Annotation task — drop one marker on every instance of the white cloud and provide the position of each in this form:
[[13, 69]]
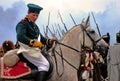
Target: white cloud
[[75, 5], [66, 5], [5, 4]]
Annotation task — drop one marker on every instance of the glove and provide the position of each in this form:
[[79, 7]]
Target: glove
[[36, 43], [53, 40]]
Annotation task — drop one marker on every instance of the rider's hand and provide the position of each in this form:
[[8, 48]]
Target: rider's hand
[[36, 43], [53, 40]]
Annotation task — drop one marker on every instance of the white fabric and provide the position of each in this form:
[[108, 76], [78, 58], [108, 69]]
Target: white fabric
[[41, 63], [10, 58], [39, 37], [34, 56], [85, 75], [32, 51]]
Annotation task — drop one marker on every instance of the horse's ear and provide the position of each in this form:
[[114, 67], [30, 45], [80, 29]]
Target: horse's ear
[[83, 20], [87, 21]]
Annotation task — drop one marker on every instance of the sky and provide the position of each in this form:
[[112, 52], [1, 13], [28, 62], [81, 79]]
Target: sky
[[106, 13]]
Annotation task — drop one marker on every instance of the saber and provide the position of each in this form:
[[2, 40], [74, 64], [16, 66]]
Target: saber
[[96, 24]]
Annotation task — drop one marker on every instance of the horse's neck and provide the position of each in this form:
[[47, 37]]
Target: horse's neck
[[71, 39]]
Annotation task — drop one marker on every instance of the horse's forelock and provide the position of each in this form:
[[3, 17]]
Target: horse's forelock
[[85, 40], [89, 29]]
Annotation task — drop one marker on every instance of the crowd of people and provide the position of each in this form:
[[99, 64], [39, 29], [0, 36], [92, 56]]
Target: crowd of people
[[30, 40]]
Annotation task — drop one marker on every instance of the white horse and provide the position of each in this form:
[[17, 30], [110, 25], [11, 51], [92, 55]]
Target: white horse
[[68, 52], [77, 37]]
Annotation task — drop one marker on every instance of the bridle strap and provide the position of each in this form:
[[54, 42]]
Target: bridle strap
[[61, 55], [69, 47], [67, 61], [94, 42], [87, 33]]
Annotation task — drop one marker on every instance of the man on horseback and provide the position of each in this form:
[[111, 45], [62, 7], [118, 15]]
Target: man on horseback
[[31, 41], [113, 60]]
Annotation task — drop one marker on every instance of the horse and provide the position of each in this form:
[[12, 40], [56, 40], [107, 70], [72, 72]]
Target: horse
[[66, 54]]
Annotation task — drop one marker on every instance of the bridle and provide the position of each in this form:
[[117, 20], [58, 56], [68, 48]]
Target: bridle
[[91, 52], [93, 41]]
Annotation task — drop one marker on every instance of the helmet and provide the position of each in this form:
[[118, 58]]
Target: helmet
[[106, 38], [118, 37]]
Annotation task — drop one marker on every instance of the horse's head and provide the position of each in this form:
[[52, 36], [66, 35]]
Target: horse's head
[[97, 50], [88, 36]]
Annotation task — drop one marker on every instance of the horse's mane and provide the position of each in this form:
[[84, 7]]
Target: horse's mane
[[70, 30]]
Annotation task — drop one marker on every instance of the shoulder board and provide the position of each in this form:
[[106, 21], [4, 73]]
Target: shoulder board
[[23, 20]]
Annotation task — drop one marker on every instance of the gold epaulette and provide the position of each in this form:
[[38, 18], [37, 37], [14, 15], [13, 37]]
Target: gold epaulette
[[23, 20]]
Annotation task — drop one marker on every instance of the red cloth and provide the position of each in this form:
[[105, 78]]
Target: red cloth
[[21, 69]]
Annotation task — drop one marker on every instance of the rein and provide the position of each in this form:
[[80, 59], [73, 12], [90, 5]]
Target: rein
[[61, 55], [68, 47]]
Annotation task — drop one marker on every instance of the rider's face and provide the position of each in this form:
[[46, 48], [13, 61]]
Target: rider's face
[[33, 16]]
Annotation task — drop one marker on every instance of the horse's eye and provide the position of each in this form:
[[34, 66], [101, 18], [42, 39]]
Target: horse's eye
[[92, 31]]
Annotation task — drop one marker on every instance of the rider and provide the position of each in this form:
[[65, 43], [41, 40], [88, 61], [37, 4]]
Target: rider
[[30, 39], [113, 60]]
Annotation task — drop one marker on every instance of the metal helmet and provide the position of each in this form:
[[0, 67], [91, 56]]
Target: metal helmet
[[118, 37], [106, 38]]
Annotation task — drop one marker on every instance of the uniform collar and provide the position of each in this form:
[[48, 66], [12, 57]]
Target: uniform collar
[[28, 18]]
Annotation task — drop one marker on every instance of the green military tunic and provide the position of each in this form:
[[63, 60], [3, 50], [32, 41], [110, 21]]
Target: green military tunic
[[27, 30]]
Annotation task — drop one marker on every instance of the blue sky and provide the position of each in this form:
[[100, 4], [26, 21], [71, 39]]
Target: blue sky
[[106, 12]]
